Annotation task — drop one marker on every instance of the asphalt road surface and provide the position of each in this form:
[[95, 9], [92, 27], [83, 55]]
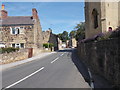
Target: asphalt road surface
[[58, 70]]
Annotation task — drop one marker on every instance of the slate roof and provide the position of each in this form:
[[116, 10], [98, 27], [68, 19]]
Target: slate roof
[[17, 20]]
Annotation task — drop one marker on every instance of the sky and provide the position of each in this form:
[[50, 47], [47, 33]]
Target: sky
[[59, 16]]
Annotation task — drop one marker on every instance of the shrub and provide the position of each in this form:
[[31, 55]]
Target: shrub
[[8, 50], [48, 45], [105, 36], [115, 33], [109, 35]]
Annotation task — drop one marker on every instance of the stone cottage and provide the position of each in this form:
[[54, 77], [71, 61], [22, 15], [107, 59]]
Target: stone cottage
[[20, 31], [100, 16], [72, 42], [49, 37]]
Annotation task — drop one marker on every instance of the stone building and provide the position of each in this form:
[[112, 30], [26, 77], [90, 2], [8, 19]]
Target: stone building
[[49, 37], [20, 31], [101, 16], [60, 44], [72, 42]]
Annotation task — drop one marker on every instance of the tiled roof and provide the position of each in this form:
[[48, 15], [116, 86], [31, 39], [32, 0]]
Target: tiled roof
[[17, 20]]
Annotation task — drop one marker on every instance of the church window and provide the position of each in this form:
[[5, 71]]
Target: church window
[[95, 18]]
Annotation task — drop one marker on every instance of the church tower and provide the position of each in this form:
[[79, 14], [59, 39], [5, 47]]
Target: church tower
[[100, 16]]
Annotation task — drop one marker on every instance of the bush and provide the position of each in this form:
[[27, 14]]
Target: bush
[[116, 33], [48, 45], [109, 35], [106, 36], [8, 50]]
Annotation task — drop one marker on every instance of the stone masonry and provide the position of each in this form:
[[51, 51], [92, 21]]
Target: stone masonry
[[49, 37], [100, 16], [6, 58], [103, 58], [21, 31]]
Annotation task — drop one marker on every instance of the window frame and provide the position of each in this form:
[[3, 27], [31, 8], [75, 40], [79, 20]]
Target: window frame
[[18, 45], [16, 31]]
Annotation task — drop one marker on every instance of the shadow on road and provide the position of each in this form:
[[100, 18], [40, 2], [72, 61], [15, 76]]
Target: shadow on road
[[80, 66], [99, 82], [66, 50]]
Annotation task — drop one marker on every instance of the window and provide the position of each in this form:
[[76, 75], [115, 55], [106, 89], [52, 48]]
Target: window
[[13, 45], [15, 30], [110, 29], [95, 18], [17, 45], [2, 45], [21, 27], [21, 45]]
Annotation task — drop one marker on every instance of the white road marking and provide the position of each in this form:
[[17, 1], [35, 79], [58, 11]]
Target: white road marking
[[62, 54], [24, 78], [91, 81], [55, 60]]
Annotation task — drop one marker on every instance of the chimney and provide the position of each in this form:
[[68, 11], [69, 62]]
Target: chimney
[[3, 7], [4, 13], [34, 13]]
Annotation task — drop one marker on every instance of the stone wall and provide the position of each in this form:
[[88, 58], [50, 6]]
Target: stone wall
[[119, 13], [105, 18], [72, 42], [38, 38], [103, 58], [22, 33], [25, 36], [48, 36], [89, 21], [13, 56]]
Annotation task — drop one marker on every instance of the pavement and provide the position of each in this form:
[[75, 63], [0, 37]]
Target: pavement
[[13, 64]]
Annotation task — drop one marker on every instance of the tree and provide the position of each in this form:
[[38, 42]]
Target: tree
[[72, 34], [80, 31], [60, 36], [63, 36]]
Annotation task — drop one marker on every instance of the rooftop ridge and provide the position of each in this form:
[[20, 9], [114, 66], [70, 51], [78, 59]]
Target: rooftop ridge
[[19, 16]]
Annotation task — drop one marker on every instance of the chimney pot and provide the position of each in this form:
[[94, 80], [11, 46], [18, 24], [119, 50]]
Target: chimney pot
[[4, 13], [3, 6], [34, 13]]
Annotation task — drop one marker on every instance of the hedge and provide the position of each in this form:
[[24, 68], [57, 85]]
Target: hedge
[[8, 50], [48, 45]]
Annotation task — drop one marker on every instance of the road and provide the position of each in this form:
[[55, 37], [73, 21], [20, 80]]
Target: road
[[58, 70]]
